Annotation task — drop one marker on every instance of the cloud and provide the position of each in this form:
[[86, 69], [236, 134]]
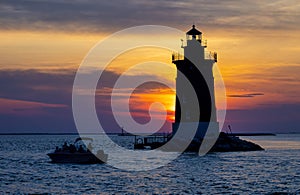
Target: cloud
[[10, 106], [47, 97], [279, 83], [34, 85], [246, 95], [107, 16]]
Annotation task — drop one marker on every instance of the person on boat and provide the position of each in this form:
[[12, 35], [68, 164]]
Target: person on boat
[[72, 148], [57, 149], [80, 149], [65, 147]]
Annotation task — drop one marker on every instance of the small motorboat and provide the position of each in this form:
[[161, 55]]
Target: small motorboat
[[78, 153]]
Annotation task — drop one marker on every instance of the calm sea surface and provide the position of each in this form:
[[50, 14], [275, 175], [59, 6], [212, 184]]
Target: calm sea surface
[[25, 168]]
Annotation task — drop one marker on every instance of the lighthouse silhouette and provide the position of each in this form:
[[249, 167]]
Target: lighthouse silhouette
[[195, 68]]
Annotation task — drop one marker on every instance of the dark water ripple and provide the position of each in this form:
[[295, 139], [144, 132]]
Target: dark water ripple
[[25, 168]]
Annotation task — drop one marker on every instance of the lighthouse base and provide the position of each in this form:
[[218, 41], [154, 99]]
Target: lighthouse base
[[198, 129]]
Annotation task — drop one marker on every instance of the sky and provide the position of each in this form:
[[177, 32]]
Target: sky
[[43, 43]]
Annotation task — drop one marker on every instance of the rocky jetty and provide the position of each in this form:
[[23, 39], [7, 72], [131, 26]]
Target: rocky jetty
[[226, 143]]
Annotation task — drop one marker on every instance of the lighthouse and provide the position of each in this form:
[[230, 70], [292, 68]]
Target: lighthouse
[[195, 67]]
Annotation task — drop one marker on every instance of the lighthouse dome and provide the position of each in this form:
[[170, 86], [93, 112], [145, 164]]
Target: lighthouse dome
[[194, 31]]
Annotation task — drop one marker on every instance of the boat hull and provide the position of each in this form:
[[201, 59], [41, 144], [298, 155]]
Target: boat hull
[[79, 158]]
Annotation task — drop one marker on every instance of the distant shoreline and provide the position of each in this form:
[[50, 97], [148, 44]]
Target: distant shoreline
[[252, 134], [50, 133], [120, 134], [160, 134]]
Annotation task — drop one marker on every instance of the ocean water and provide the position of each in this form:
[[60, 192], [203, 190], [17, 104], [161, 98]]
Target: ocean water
[[25, 168]]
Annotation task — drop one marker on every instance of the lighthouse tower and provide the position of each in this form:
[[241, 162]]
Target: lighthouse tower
[[195, 67]]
